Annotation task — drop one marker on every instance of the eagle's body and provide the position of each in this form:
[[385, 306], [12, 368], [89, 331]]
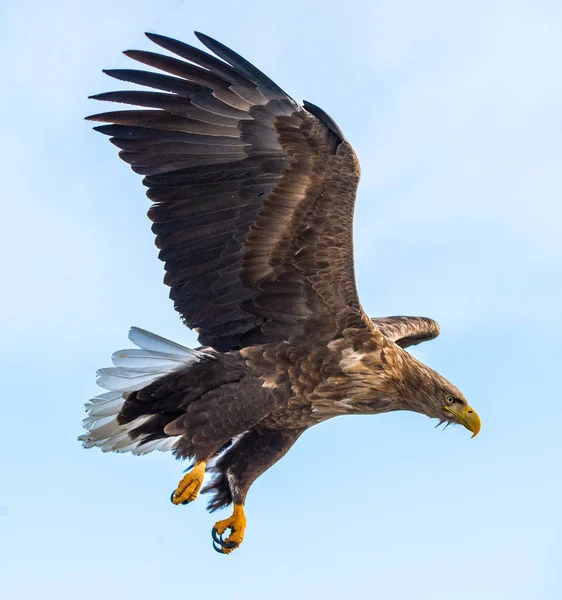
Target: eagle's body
[[253, 215]]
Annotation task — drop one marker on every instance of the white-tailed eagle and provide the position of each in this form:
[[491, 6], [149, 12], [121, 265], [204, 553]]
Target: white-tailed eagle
[[253, 198]]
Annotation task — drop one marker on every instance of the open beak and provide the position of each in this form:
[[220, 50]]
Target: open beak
[[466, 416]]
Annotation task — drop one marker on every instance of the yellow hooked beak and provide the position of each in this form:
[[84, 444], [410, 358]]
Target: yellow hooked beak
[[466, 416]]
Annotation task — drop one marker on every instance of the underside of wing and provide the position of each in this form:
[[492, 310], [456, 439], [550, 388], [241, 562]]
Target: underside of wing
[[407, 331], [253, 194]]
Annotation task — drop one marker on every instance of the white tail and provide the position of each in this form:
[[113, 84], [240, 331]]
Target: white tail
[[133, 370]]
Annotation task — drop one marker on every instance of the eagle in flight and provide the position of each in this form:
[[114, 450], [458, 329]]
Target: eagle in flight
[[253, 196]]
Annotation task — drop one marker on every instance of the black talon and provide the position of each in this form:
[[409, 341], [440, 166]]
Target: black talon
[[218, 539], [226, 544], [218, 548], [173, 496]]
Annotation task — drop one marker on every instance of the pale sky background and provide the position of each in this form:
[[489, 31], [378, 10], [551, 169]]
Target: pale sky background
[[454, 109]]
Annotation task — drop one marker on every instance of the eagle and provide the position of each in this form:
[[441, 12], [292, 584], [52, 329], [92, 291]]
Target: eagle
[[253, 197]]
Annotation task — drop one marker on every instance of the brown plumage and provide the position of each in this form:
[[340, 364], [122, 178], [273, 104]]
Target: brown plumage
[[253, 212]]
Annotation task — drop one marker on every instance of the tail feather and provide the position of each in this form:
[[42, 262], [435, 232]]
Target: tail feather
[[145, 359], [119, 380], [104, 405], [133, 370], [155, 343]]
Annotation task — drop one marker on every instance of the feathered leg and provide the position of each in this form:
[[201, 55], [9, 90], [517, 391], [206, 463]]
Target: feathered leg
[[236, 470]]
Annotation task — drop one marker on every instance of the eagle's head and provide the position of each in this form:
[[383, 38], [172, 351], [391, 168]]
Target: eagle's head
[[425, 391], [455, 409]]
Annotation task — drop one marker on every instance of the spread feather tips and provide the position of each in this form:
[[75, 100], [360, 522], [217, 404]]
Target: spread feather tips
[[133, 370]]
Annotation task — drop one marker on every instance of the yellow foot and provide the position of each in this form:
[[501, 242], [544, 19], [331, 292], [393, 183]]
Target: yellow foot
[[237, 525], [189, 486]]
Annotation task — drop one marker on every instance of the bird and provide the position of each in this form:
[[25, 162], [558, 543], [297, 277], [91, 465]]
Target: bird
[[253, 197]]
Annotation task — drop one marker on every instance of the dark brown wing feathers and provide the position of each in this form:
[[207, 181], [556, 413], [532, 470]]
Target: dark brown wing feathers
[[253, 195]]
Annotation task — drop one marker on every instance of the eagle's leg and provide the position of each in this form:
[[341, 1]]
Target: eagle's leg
[[188, 488], [256, 451]]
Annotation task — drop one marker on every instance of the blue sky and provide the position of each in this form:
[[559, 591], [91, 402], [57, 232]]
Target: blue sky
[[454, 111]]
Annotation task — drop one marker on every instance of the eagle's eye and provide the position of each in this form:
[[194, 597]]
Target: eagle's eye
[[450, 399]]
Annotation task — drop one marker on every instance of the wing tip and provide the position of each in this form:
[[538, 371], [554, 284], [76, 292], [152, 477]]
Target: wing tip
[[153, 36], [203, 37], [162, 40], [325, 118], [105, 129]]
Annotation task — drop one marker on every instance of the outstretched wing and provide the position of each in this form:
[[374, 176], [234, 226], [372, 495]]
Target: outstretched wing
[[253, 195], [407, 331]]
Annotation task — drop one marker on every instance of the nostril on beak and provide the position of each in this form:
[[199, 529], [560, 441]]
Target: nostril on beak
[[469, 411]]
